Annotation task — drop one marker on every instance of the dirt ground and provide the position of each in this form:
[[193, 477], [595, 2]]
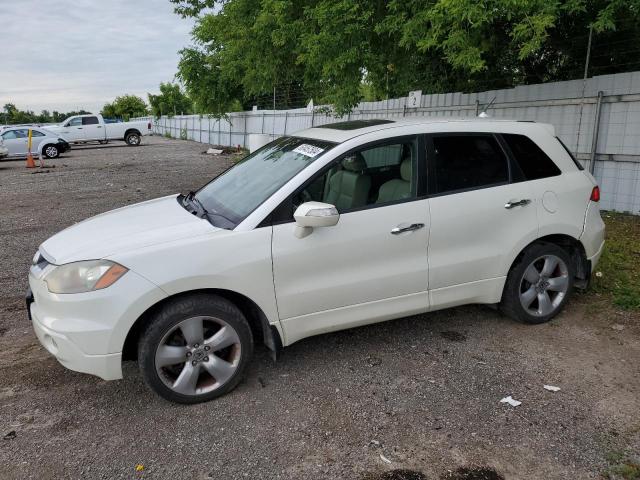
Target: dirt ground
[[421, 393]]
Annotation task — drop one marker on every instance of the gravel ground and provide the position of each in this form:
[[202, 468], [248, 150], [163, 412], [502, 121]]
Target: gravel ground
[[421, 392]]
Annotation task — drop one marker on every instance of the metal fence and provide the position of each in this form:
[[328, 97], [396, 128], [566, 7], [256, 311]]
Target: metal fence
[[598, 119]]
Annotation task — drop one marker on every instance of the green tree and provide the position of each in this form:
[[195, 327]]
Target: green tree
[[125, 106], [337, 50], [171, 101]]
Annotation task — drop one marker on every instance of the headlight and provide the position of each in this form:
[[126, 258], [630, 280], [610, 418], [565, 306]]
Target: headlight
[[84, 276]]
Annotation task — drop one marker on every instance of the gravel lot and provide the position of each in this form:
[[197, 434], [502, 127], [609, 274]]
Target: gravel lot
[[423, 392]]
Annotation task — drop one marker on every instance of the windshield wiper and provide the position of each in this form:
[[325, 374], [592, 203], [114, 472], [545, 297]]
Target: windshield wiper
[[193, 205]]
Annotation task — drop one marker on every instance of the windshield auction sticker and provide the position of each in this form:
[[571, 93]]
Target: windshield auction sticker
[[308, 150]]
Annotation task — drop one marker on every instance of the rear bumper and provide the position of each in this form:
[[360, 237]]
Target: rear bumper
[[592, 237], [107, 367], [594, 259]]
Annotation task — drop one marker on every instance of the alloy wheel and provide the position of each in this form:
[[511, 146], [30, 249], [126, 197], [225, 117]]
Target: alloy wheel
[[544, 285], [198, 355], [51, 152]]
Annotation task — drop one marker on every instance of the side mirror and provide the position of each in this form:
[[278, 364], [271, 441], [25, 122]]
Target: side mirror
[[310, 215]]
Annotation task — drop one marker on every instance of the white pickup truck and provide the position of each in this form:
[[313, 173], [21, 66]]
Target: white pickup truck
[[93, 128]]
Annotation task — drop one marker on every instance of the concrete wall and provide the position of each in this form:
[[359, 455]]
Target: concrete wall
[[570, 106]]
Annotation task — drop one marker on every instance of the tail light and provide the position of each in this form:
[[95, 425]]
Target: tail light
[[595, 194]]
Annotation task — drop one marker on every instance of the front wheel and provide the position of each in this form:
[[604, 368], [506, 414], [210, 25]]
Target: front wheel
[[195, 349], [51, 151], [539, 284], [133, 139]]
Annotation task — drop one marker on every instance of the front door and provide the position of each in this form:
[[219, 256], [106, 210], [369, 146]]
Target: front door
[[74, 130], [372, 265]]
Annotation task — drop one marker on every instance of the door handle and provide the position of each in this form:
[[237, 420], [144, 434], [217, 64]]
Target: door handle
[[99, 126], [517, 203], [410, 228], [79, 128]]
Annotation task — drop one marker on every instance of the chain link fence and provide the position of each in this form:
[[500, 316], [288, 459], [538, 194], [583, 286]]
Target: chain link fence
[[598, 119]]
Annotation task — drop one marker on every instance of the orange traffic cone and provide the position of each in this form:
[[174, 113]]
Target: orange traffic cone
[[30, 162]]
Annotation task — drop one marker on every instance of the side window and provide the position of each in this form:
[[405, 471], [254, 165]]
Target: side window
[[464, 162], [90, 121], [22, 133], [76, 122], [10, 135], [373, 176], [36, 133], [533, 162]]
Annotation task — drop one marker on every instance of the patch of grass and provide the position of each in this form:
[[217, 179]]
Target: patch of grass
[[628, 470], [619, 266]]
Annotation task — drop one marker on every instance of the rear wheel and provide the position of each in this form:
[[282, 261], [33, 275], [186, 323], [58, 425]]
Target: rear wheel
[[195, 349], [51, 151], [539, 284], [133, 139]]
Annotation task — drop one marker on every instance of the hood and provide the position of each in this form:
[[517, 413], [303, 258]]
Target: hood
[[143, 224]]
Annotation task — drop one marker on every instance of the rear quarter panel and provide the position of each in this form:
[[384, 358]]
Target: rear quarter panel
[[561, 200]]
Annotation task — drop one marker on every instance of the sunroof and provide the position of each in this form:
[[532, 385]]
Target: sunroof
[[354, 124]]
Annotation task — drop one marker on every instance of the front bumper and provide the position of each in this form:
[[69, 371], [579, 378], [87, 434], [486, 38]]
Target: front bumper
[[86, 331], [107, 367]]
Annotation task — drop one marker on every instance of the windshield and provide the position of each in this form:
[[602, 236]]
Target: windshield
[[231, 197]]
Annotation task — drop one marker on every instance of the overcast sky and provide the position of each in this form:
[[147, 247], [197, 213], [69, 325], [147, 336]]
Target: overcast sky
[[68, 54]]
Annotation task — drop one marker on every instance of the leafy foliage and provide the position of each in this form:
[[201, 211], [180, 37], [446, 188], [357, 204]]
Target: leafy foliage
[[125, 106], [337, 51], [171, 101], [12, 116]]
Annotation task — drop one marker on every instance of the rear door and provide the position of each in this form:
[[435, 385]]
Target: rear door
[[479, 217], [16, 141], [92, 128]]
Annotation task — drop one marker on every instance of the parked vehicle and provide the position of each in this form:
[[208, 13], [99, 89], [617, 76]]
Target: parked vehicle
[[43, 142], [93, 128], [337, 226]]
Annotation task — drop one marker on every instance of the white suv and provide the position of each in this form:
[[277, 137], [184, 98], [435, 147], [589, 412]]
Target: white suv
[[338, 226]]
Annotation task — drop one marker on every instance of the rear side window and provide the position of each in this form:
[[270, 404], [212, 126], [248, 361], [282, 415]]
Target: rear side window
[[90, 120], [465, 162], [533, 162]]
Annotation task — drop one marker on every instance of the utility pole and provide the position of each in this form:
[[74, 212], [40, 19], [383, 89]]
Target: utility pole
[[584, 87]]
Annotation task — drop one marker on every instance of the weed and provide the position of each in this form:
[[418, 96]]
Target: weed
[[617, 274]]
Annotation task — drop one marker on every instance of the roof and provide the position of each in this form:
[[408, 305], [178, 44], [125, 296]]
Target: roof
[[343, 131]]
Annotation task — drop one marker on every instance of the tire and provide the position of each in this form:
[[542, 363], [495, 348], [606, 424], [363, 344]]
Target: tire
[[133, 139], [172, 338], [534, 281], [51, 151]]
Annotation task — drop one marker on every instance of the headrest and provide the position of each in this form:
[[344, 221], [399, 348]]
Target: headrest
[[354, 163], [405, 170]]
